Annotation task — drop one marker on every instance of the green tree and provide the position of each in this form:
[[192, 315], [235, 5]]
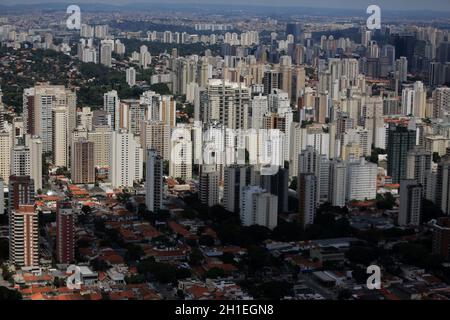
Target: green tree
[[8, 295], [214, 273]]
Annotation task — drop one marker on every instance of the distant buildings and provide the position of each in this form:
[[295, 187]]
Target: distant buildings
[[131, 76], [106, 53]]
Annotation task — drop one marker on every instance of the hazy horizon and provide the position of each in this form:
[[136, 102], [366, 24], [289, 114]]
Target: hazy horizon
[[430, 5]]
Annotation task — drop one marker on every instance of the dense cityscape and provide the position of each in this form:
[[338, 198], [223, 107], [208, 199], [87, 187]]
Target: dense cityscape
[[210, 153]]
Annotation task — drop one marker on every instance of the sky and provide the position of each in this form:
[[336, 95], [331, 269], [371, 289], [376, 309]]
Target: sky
[[434, 5]]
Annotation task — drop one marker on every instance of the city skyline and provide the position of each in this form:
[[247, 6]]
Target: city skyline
[[397, 5]]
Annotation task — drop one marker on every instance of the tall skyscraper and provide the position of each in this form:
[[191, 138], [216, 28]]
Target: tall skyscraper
[[410, 203], [441, 102], [156, 135], [400, 141], [38, 104], [226, 102], [34, 143], [338, 183], [209, 185], [6, 144], [258, 207], [307, 198], [131, 76], [236, 177], [65, 233], [82, 168], [418, 165], [442, 197], [154, 181], [2, 196], [105, 54], [278, 185], [180, 165], [101, 138], [126, 159], [24, 236], [111, 104], [60, 141]]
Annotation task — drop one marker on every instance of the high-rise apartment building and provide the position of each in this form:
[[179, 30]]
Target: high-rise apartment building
[[111, 104], [21, 161], [419, 165], [209, 185], [180, 165], [106, 54], [226, 102], [65, 233], [338, 183], [307, 198], [156, 135], [131, 76], [126, 159], [34, 143], [400, 141], [236, 177], [361, 180], [6, 144], [101, 138], [24, 236], [60, 139], [258, 207], [154, 181], [82, 164], [410, 203], [38, 105]]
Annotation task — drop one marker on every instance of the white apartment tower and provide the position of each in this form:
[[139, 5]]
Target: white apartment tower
[[60, 139], [131, 76], [181, 154], [126, 159], [258, 207]]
